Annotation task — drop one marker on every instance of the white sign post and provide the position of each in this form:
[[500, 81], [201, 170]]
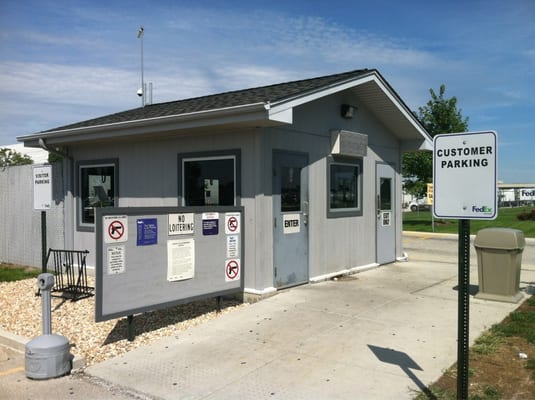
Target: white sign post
[[464, 187], [464, 175]]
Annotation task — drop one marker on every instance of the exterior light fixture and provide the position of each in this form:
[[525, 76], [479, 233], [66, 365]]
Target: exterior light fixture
[[347, 111]]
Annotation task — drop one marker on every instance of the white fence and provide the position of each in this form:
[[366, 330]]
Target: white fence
[[20, 225]]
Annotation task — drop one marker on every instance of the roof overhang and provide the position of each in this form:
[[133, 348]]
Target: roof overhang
[[378, 97], [375, 93], [250, 114]]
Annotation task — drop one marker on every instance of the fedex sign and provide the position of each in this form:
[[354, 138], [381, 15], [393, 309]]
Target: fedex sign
[[527, 194], [465, 175]]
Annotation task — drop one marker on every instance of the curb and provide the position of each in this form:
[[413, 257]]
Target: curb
[[18, 343]]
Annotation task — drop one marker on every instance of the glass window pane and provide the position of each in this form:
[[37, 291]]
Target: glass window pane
[[290, 189], [344, 186], [385, 196], [209, 182], [97, 189]]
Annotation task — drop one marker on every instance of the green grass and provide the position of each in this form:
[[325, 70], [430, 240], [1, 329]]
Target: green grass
[[9, 272], [520, 323], [507, 218]]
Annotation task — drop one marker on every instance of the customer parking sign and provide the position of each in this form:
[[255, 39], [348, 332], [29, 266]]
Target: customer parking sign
[[465, 175]]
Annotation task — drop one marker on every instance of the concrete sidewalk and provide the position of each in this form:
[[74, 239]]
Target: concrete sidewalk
[[381, 334]]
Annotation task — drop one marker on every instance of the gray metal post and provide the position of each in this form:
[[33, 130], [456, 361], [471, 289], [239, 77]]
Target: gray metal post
[[46, 312], [464, 307]]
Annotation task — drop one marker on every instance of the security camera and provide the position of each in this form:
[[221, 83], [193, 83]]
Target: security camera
[[140, 92]]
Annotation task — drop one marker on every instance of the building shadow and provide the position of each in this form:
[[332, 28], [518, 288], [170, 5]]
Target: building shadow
[[405, 362], [154, 320]]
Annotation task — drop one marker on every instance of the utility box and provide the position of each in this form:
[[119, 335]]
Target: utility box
[[499, 260]]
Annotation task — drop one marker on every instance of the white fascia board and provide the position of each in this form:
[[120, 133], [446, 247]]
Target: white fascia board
[[286, 104], [249, 112]]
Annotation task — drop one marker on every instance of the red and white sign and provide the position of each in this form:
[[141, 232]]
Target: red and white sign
[[232, 223], [115, 228], [232, 270]]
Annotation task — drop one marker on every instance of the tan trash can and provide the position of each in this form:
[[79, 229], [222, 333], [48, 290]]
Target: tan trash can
[[499, 260]]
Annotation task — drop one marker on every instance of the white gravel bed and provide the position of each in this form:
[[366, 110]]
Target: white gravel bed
[[95, 342]]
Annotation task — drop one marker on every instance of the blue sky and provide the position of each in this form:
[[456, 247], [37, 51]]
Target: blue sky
[[67, 61]]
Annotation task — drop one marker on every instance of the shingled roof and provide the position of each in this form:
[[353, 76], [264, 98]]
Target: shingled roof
[[262, 106], [263, 94]]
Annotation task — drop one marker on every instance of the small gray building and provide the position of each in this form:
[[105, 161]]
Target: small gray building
[[315, 163]]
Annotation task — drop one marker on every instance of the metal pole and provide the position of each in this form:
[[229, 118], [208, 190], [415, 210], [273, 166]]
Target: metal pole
[[43, 241], [464, 308], [140, 36], [130, 328]]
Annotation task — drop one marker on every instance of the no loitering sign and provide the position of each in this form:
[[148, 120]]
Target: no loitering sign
[[465, 175]]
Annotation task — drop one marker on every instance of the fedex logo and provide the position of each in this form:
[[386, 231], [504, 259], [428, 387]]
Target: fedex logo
[[482, 209]]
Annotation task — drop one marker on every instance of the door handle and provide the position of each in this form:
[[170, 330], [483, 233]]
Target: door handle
[[305, 212], [378, 205]]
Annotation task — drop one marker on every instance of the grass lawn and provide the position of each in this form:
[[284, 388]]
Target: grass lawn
[[10, 272], [507, 218], [497, 372]]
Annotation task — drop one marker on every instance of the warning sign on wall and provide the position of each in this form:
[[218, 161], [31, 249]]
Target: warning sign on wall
[[115, 228], [232, 270], [232, 223]]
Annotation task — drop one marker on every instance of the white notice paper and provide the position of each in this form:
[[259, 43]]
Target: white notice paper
[[116, 260], [180, 259]]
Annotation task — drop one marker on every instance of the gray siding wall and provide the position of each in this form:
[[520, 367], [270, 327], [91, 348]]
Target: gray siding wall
[[20, 235], [148, 177], [336, 244]]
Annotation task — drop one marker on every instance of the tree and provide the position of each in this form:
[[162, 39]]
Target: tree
[[9, 157], [438, 116]]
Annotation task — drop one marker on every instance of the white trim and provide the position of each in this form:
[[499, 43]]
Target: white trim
[[260, 292], [166, 119], [354, 270]]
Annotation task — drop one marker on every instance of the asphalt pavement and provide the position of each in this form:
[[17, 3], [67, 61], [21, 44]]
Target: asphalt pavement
[[380, 334]]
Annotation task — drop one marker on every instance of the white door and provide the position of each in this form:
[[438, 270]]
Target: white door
[[386, 213]]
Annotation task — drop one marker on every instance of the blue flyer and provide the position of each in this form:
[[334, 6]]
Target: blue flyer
[[147, 231]]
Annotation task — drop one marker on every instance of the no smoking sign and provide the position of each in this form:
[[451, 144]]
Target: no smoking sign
[[115, 228]]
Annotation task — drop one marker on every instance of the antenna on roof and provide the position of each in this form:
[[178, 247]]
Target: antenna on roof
[[142, 91]]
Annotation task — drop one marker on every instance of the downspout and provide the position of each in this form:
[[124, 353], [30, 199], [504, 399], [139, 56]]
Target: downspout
[[45, 147]]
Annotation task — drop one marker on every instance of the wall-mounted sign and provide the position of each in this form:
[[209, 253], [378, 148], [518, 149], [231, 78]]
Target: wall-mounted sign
[[291, 223], [464, 175], [147, 231], [527, 194], [232, 270], [181, 224], [180, 259], [233, 246], [116, 260], [115, 228], [210, 223], [232, 223], [42, 187]]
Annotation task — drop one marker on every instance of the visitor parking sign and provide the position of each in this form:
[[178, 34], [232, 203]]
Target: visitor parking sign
[[465, 175]]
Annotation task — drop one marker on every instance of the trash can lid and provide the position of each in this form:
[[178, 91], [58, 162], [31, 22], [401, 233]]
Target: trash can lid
[[500, 238]]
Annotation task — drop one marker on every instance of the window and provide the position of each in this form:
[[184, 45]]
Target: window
[[209, 181], [97, 187], [290, 189], [345, 187]]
